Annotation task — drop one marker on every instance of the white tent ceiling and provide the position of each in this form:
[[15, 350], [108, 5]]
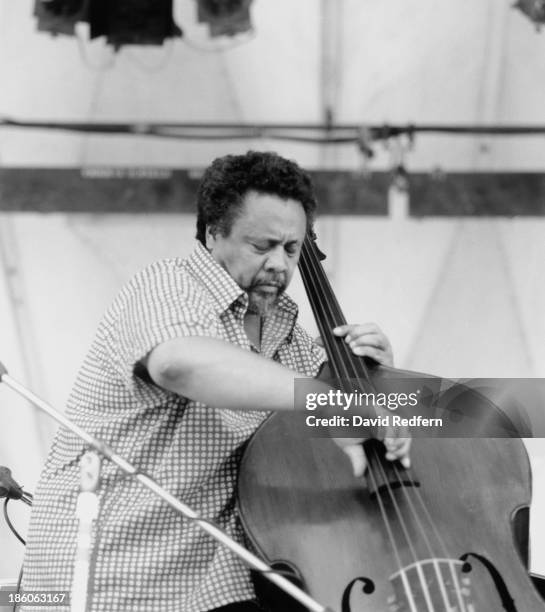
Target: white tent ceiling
[[431, 61]]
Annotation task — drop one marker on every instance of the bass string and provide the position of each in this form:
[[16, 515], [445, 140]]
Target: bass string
[[423, 533], [391, 536], [431, 524], [321, 294], [313, 277], [320, 313], [389, 530], [328, 314]]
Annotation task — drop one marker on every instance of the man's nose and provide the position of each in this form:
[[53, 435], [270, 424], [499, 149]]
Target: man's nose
[[277, 260]]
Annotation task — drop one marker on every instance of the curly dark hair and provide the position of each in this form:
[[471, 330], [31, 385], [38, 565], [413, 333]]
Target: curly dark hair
[[228, 179]]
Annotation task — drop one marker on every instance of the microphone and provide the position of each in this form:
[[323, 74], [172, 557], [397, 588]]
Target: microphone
[[8, 487]]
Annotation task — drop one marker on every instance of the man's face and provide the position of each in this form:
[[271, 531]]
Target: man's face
[[263, 247]]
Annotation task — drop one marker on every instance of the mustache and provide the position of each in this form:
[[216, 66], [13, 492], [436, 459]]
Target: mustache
[[274, 281]]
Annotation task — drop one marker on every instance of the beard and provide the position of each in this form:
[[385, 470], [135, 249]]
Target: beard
[[263, 295]]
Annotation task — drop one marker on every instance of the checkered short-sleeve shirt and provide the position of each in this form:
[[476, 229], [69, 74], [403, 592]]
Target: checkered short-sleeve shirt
[[145, 556]]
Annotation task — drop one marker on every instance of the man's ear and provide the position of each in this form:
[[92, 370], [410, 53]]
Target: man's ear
[[210, 237]]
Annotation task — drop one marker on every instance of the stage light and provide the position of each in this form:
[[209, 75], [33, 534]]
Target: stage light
[[534, 9], [225, 17]]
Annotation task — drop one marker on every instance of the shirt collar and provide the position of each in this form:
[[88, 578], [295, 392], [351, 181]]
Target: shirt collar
[[218, 282], [223, 288]]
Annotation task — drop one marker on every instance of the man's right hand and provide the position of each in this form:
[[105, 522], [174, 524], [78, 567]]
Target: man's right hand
[[397, 448]]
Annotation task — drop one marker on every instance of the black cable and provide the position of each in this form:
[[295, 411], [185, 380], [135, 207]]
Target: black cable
[[19, 581], [320, 134], [16, 533], [10, 525]]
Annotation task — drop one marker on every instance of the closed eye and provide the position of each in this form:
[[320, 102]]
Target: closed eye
[[292, 249]]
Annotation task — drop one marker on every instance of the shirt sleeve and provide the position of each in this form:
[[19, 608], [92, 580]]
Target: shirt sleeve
[[303, 354], [160, 304]]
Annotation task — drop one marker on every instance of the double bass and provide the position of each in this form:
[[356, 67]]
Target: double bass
[[449, 534]]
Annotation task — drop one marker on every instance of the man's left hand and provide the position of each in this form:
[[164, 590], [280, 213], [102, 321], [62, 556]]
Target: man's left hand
[[367, 340]]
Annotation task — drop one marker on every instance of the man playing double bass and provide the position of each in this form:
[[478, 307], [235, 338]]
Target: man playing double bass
[[187, 362]]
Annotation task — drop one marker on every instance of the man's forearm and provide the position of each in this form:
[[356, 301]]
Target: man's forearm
[[222, 375]]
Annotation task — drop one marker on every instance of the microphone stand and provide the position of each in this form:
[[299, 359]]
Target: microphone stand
[[103, 449], [87, 512]]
